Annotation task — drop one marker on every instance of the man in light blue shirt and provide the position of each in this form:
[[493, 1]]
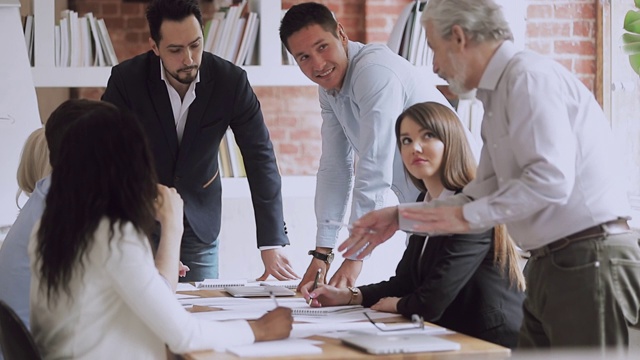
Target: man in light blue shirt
[[363, 89]]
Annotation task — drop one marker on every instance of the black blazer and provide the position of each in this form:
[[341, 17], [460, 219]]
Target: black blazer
[[455, 285], [224, 98]]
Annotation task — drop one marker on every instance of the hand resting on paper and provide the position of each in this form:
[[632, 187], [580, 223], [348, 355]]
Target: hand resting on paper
[[274, 325]]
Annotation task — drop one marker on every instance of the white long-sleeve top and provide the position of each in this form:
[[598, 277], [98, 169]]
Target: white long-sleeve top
[[120, 307]]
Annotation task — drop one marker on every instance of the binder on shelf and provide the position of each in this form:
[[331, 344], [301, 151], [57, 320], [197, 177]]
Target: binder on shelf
[[106, 42], [97, 44], [28, 36], [248, 38]]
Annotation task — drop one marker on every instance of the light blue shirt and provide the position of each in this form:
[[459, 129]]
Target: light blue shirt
[[359, 120], [15, 276]]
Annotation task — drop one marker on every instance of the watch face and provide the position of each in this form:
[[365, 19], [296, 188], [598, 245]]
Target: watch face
[[330, 257]]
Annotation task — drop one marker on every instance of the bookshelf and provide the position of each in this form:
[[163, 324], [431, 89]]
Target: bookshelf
[[270, 72]]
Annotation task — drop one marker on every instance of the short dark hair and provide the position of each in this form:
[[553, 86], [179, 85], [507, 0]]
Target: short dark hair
[[64, 117], [175, 10], [302, 15]]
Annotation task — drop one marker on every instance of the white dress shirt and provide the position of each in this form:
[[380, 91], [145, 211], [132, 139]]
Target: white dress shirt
[[548, 167], [120, 307], [180, 106]]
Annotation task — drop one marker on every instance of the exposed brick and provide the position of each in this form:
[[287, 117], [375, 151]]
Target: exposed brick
[[136, 23], [584, 47], [110, 9], [542, 47], [567, 63], [584, 28], [576, 10], [539, 12], [132, 9], [584, 66], [548, 29]]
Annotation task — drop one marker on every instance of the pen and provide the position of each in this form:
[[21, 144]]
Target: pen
[[315, 283], [273, 297]]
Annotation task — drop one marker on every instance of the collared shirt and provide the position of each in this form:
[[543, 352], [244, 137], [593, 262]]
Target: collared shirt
[[548, 168], [179, 106], [359, 120]]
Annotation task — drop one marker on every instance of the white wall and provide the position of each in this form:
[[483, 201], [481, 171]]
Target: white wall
[[239, 257], [18, 107]]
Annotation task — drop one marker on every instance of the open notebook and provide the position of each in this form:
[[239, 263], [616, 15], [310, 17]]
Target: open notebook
[[396, 344], [325, 311], [257, 291], [220, 283]]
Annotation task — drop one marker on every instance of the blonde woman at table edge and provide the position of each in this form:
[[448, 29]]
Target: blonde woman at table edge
[[470, 283], [97, 291]]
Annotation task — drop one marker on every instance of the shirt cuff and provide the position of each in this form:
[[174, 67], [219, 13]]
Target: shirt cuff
[[270, 247]]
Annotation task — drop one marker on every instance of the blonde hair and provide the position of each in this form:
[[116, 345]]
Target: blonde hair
[[34, 163], [458, 169]]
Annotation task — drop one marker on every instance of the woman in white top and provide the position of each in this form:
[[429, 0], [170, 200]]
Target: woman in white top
[[97, 291]]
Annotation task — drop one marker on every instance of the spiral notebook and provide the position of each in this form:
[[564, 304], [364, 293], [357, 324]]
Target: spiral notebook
[[325, 311], [257, 291], [220, 283]]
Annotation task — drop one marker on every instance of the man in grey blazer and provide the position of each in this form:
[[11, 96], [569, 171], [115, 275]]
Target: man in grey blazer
[[186, 99]]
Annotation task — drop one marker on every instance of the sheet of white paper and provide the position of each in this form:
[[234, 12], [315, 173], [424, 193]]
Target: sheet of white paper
[[286, 347], [342, 318], [219, 301], [185, 296], [304, 330], [186, 287], [229, 315]]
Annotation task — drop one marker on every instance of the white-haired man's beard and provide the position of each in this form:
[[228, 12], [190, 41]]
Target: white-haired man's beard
[[456, 81]]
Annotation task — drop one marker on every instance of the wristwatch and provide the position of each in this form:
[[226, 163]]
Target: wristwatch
[[328, 258], [354, 294]]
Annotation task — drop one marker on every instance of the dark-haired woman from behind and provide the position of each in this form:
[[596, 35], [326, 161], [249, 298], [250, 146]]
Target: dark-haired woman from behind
[[97, 292]]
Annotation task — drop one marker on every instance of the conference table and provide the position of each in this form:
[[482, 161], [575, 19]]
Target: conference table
[[332, 348]]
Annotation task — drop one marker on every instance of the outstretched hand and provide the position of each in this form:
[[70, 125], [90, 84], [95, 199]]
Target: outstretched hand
[[369, 231], [277, 265]]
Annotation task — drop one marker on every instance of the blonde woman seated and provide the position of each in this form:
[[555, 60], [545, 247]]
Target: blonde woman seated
[[34, 163], [14, 263], [96, 291], [469, 283]]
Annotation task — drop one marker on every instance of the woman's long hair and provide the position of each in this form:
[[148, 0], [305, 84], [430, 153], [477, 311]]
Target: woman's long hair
[[458, 169], [104, 169]]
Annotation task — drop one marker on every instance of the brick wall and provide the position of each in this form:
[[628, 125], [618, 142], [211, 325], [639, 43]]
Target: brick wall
[[562, 29], [566, 31]]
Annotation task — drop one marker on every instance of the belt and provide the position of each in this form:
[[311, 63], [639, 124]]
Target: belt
[[613, 227]]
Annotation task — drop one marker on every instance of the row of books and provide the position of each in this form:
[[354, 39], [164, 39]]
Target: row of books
[[408, 38], [78, 41], [230, 160], [232, 34]]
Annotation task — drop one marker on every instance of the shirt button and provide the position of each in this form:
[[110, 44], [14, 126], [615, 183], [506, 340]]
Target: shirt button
[[508, 212], [490, 113], [495, 146], [500, 179]]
